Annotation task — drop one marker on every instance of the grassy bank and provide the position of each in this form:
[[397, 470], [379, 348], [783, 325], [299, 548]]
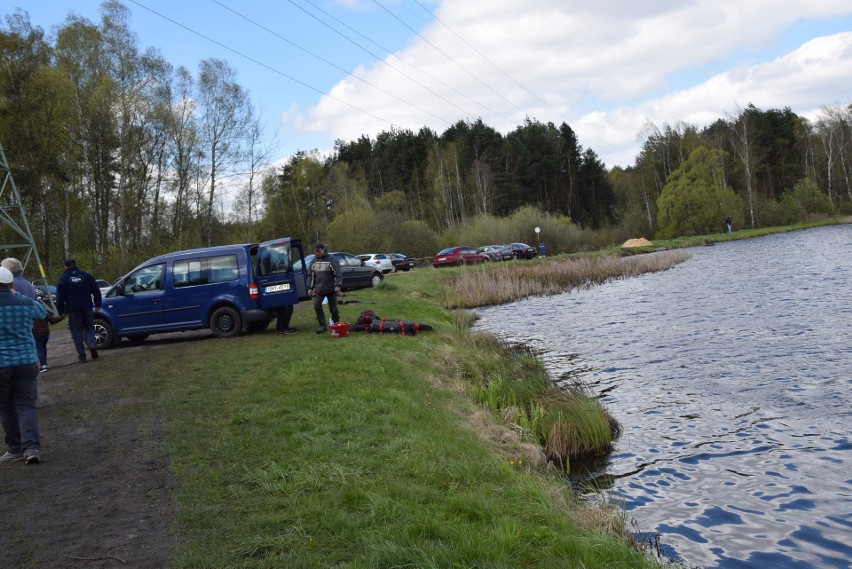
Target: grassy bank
[[368, 451], [699, 240]]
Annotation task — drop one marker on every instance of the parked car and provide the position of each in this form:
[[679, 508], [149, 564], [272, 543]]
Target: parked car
[[103, 285], [226, 289], [522, 250], [41, 292], [402, 262], [355, 273], [379, 261], [497, 252], [458, 256]]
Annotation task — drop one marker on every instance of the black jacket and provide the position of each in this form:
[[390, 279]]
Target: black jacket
[[77, 291], [325, 274]]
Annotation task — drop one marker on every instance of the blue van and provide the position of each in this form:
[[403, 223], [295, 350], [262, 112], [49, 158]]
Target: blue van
[[227, 289]]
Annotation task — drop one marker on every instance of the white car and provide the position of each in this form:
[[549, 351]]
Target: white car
[[103, 285], [379, 261]]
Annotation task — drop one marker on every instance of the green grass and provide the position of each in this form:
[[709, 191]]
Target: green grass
[[366, 451]]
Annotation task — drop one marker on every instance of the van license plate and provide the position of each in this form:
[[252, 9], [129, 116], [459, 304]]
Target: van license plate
[[278, 288]]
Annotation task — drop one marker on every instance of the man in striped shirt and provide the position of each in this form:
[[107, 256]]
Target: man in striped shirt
[[18, 372]]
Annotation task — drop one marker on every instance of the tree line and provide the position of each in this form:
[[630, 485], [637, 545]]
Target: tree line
[[120, 156]]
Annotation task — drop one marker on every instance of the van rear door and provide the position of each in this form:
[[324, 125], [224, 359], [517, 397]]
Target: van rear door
[[277, 282]]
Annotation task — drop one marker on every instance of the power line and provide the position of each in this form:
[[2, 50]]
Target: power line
[[478, 23], [279, 36], [382, 61], [450, 59], [260, 63]]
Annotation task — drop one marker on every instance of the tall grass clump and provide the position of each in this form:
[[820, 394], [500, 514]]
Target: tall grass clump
[[498, 284], [568, 423]]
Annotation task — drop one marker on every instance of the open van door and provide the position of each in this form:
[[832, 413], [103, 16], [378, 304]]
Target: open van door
[[278, 283]]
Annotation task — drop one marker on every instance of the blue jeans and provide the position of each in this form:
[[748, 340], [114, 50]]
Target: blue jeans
[[41, 348], [18, 395], [80, 324]]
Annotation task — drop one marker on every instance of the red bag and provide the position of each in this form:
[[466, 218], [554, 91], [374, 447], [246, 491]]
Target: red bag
[[366, 318]]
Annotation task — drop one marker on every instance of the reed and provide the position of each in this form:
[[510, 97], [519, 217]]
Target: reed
[[497, 284], [568, 423]]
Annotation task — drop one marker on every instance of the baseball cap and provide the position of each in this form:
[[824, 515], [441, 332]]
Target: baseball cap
[[70, 262], [5, 276]]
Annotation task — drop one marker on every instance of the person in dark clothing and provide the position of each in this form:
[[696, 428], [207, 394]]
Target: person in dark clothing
[[324, 283], [76, 294], [282, 322], [41, 333], [18, 373]]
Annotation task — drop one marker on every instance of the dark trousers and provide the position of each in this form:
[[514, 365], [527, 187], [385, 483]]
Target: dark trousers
[[18, 395], [81, 326], [282, 322], [41, 348], [332, 307]]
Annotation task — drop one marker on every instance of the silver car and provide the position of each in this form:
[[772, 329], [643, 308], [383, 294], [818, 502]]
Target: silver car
[[497, 252], [378, 261]]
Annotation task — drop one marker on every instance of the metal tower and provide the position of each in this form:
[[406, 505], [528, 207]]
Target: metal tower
[[13, 216]]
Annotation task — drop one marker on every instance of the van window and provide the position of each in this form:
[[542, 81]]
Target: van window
[[145, 280], [224, 268], [188, 273], [205, 270], [275, 259]]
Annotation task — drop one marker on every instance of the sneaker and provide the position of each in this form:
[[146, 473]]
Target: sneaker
[[94, 353], [31, 456], [43, 368], [81, 360], [12, 457], [322, 329], [290, 331]]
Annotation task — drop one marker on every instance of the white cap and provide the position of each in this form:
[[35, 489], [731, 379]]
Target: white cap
[[5, 275]]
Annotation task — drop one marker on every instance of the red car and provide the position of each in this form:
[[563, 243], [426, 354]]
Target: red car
[[458, 256]]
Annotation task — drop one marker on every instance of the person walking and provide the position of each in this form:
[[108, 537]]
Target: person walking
[[41, 333], [18, 373], [19, 283], [77, 294], [324, 283]]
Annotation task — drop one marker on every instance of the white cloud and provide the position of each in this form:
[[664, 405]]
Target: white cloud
[[605, 69]]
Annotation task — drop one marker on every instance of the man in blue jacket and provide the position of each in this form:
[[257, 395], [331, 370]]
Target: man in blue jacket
[[77, 293], [18, 372]]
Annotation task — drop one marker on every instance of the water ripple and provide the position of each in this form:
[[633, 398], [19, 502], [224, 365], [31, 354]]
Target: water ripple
[[730, 376]]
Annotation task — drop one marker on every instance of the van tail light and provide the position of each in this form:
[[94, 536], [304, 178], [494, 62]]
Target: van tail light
[[253, 291]]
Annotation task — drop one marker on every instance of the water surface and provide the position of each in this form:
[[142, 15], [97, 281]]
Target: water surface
[[732, 376]]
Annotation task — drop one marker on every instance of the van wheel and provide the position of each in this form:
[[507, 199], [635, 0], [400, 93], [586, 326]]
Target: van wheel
[[258, 326], [225, 322], [104, 334], [376, 280]]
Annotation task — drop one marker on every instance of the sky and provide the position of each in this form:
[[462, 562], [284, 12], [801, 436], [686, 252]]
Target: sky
[[323, 70]]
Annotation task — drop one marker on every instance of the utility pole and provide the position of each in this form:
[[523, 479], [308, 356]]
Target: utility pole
[[15, 229]]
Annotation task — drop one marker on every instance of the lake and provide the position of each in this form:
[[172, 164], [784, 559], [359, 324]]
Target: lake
[[731, 374]]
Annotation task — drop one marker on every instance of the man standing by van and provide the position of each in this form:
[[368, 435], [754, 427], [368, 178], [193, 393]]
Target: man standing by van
[[76, 294], [325, 282]]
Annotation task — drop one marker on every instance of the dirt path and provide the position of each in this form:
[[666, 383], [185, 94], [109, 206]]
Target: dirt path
[[102, 496]]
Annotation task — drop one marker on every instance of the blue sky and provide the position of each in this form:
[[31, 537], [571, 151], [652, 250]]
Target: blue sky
[[605, 68]]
